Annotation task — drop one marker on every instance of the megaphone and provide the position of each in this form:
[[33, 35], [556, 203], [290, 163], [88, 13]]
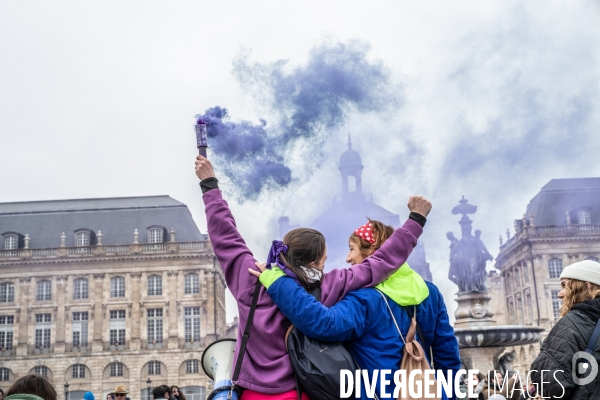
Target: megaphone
[[217, 363]]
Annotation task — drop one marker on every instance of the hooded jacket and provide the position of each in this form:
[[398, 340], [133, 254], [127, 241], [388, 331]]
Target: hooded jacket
[[266, 367], [570, 335], [362, 319]]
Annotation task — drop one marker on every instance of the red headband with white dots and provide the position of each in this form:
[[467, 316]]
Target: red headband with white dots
[[366, 232]]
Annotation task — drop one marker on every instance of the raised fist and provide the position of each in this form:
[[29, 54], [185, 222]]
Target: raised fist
[[420, 205]]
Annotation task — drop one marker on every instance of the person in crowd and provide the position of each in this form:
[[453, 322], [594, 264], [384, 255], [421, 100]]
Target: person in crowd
[[531, 392], [580, 312], [1, 394], [363, 319], [266, 371], [176, 393], [120, 393], [511, 389], [31, 385], [161, 392], [110, 397], [88, 396]]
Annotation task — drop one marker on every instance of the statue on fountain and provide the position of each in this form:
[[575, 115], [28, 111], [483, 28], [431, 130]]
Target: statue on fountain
[[468, 256]]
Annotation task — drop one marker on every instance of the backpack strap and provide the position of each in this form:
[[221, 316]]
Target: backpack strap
[[594, 339], [316, 292], [238, 364], [392, 314], [412, 316], [421, 335]]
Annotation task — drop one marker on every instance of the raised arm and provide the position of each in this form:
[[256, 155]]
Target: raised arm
[[347, 320], [229, 246], [381, 264]]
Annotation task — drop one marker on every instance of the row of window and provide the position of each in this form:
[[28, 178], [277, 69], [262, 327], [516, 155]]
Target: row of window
[[117, 288], [525, 315], [117, 328], [116, 369], [513, 278], [84, 237]]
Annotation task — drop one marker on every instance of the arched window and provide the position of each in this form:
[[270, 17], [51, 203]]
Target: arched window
[[583, 217], [7, 292], [11, 242], [4, 374], [44, 291], [82, 238], [154, 368], [191, 367], [80, 289], [78, 371], [41, 370], [351, 184], [531, 352], [116, 369], [555, 267], [155, 235], [117, 286], [155, 285], [191, 284]]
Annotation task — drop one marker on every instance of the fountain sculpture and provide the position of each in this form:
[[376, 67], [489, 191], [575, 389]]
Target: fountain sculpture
[[480, 340]]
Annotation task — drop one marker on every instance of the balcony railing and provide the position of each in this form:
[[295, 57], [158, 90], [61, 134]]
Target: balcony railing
[[6, 352], [47, 349], [192, 344], [153, 344], [109, 250], [154, 247], [115, 346], [552, 231], [78, 347]]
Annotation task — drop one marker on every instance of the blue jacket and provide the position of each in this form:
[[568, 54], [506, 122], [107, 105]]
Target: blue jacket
[[363, 320]]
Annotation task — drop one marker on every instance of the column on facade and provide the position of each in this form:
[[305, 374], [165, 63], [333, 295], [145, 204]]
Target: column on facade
[[100, 297], [61, 320], [136, 317], [24, 315], [171, 311]]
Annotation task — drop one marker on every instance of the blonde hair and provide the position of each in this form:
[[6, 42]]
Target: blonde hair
[[577, 291], [381, 233]]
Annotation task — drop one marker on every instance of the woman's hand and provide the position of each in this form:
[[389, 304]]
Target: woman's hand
[[204, 168], [261, 266]]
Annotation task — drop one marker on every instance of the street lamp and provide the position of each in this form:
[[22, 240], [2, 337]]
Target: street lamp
[[66, 390], [148, 382]]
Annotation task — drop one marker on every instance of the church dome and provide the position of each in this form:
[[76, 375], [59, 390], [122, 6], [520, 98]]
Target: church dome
[[350, 158]]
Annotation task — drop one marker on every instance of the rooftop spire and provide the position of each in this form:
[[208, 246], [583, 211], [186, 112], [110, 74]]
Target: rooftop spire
[[349, 141]]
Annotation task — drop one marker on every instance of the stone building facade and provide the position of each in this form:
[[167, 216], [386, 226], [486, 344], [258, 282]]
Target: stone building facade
[[561, 226], [100, 292]]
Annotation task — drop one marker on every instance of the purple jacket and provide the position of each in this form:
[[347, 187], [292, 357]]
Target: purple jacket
[[266, 367]]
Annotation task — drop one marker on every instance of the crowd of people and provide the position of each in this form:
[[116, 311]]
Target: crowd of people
[[37, 387]]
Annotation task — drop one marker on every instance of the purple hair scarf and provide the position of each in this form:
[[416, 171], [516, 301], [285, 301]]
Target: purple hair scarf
[[273, 258]]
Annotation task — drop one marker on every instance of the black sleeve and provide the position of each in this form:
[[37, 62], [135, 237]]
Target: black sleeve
[[418, 218], [210, 184]]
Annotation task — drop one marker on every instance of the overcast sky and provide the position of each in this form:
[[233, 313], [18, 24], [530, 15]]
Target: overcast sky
[[493, 99]]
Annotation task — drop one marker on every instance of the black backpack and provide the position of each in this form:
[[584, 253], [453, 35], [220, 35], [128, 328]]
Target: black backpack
[[317, 364]]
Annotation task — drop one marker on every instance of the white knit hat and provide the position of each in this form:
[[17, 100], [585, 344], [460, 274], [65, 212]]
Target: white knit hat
[[586, 271]]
